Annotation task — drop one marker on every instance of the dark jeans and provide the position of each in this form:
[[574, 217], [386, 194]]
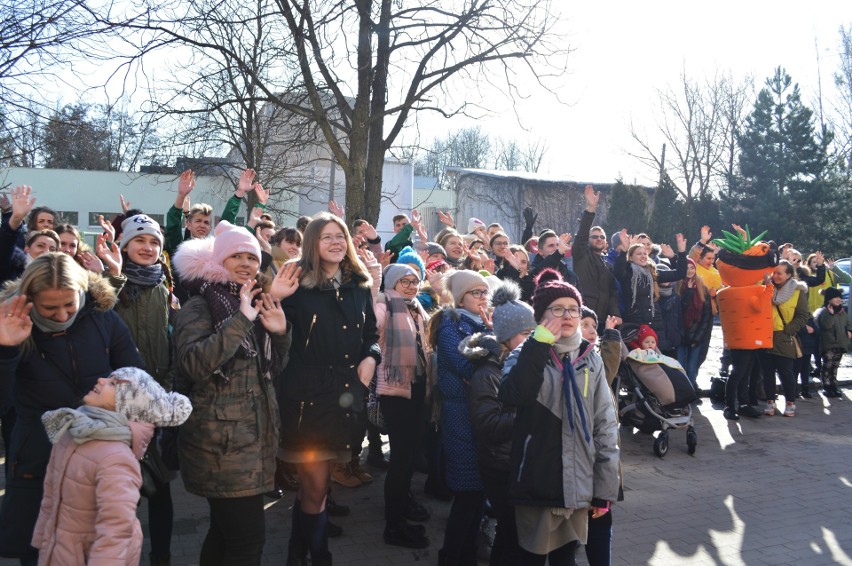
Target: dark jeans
[[403, 418], [599, 542], [690, 358], [160, 519], [737, 389], [769, 365], [462, 527], [505, 550], [562, 556], [237, 532], [802, 368]]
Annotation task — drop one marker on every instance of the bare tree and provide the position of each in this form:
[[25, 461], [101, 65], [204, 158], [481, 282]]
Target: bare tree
[[367, 66], [695, 121], [842, 124]]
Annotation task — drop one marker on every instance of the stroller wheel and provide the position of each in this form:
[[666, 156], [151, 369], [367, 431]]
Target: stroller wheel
[[691, 440], [661, 444]]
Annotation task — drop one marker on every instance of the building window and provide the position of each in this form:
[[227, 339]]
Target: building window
[[108, 216], [68, 217]]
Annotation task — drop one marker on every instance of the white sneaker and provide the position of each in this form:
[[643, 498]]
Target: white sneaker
[[770, 408], [790, 410]]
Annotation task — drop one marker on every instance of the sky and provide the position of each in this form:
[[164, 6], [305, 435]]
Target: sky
[[624, 52]]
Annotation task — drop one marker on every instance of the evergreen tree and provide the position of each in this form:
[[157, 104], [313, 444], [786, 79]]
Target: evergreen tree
[[667, 214], [781, 160], [628, 209]]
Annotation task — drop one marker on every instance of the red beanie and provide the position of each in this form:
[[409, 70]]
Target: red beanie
[[550, 286], [644, 332]]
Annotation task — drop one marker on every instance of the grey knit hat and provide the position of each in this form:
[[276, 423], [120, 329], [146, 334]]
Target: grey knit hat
[[137, 226], [140, 398], [396, 271], [433, 248], [511, 316]]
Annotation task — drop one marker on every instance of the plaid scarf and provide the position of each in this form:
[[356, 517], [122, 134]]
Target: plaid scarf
[[141, 277], [400, 353], [224, 302]]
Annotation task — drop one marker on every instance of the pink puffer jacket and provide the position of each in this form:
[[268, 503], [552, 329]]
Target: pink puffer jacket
[[88, 513]]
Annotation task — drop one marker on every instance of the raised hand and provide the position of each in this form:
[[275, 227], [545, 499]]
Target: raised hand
[[612, 321], [554, 325], [681, 242], [739, 229], [487, 319], [254, 216], [512, 260], [820, 259], [262, 195], [109, 253], [624, 239], [666, 251], [592, 198], [15, 322], [22, 204], [5, 203], [385, 258], [247, 295], [186, 182], [366, 256], [109, 229], [435, 279], [336, 209], [125, 204], [446, 219], [530, 217], [271, 314], [488, 265], [90, 262], [244, 185], [706, 234], [370, 231], [415, 217], [564, 243], [286, 281]]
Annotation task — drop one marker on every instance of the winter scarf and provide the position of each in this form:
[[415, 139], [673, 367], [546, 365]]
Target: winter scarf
[[51, 326], [141, 277], [641, 276], [567, 349], [783, 293], [86, 423], [224, 302], [400, 354]]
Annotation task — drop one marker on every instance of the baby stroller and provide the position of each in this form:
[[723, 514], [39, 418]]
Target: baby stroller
[[654, 394]]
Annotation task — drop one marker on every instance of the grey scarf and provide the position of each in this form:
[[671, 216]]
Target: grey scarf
[[86, 423], [569, 344], [51, 326], [641, 276], [783, 293]]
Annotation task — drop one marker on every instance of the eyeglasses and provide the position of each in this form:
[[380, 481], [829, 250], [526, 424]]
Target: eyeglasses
[[560, 312], [478, 293], [797, 260], [406, 283], [597, 237], [500, 244], [328, 238]]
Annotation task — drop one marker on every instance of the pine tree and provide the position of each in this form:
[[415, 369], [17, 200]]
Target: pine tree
[[667, 214], [781, 160], [628, 209]]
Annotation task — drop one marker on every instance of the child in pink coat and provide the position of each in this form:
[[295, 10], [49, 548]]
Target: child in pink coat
[[91, 487]]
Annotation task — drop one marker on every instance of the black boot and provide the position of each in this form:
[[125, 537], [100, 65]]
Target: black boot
[[297, 550]]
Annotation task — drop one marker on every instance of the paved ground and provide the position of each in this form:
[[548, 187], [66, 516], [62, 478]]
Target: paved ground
[[773, 490]]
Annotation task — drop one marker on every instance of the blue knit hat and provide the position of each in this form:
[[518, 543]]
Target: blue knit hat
[[408, 255]]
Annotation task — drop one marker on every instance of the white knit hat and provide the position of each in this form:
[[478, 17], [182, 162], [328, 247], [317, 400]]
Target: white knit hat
[[137, 226], [140, 398]]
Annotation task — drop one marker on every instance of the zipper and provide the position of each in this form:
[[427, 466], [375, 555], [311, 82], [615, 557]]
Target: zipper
[[524, 457], [301, 413], [310, 330]]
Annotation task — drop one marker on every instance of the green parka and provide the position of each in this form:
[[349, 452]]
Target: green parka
[[147, 317]]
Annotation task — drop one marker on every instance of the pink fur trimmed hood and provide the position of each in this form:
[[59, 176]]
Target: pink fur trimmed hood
[[193, 261]]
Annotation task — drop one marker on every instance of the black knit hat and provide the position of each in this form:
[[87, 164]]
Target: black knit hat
[[830, 293], [589, 313], [550, 286]]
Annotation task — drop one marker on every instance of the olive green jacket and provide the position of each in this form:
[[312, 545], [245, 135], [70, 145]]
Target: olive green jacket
[[148, 320], [227, 447]]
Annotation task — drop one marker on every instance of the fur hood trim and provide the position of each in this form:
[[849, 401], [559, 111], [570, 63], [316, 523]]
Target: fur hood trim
[[193, 261], [100, 290], [479, 347]]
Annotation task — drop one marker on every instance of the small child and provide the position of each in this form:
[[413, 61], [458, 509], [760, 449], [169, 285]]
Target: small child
[[646, 339], [835, 333], [91, 486], [661, 374]]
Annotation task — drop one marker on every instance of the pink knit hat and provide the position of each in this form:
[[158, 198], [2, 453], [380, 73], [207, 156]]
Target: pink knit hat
[[230, 240]]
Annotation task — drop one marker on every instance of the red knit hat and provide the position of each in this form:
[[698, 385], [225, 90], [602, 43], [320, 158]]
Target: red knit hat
[[550, 286], [644, 332]]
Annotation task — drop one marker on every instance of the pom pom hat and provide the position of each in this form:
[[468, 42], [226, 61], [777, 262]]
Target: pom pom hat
[[511, 316], [550, 286]]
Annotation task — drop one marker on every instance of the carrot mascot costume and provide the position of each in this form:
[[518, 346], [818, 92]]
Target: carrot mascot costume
[[745, 303]]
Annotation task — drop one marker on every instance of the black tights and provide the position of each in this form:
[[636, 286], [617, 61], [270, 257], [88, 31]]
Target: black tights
[[562, 556]]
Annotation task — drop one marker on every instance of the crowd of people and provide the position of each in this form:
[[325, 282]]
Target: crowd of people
[[265, 355]]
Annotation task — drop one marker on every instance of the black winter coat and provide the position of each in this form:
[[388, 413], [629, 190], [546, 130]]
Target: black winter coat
[[319, 394], [638, 310]]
